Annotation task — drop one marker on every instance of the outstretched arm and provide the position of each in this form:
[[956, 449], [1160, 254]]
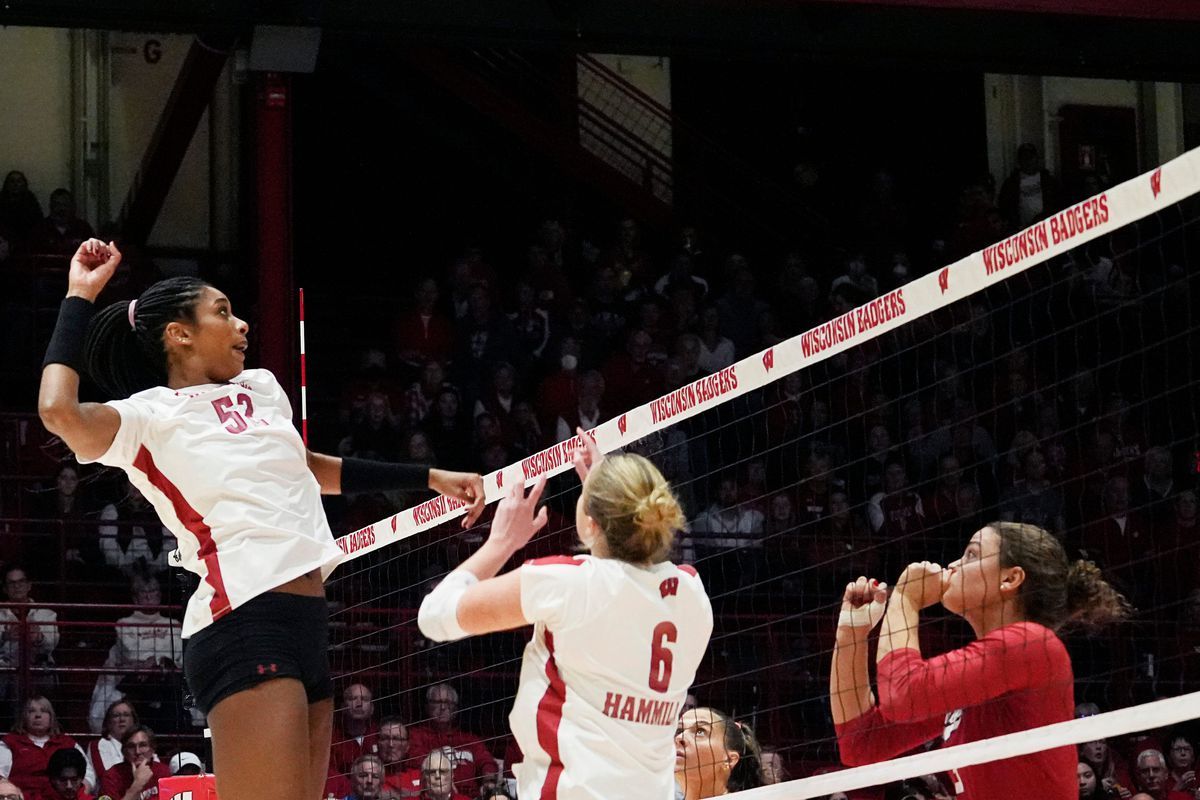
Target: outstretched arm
[[849, 677], [87, 428], [471, 600]]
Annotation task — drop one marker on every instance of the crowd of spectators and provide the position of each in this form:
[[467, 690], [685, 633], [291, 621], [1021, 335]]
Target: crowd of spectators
[[1051, 399]]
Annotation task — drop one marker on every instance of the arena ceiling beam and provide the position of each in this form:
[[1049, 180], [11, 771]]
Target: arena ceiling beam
[[1103, 38]]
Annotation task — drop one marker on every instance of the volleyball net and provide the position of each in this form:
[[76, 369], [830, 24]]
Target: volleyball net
[[1049, 379]]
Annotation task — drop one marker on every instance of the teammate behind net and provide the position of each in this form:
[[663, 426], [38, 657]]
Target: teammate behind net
[[1015, 587], [618, 635]]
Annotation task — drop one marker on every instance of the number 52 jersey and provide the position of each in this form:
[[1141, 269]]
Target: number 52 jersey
[[228, 474], [615, 648]]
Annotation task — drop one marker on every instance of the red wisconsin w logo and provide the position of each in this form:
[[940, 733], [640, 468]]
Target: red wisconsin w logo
[[669, 587], [944, 279], [499, 480], [621, 424], [394, 518], [1156, 181], [769, 359]]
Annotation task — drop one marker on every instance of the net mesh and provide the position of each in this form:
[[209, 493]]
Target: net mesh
[[1048, 379]]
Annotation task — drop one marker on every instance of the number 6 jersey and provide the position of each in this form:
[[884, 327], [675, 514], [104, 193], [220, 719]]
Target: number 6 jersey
[[228, 474], [615, 648]]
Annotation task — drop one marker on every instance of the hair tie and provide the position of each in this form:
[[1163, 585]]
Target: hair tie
[[132, 303]]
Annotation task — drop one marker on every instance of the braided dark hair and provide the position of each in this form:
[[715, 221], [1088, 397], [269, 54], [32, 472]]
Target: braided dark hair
[[125, 360]]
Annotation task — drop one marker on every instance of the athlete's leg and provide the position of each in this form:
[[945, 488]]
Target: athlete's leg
[[261, 743], [320, 732]]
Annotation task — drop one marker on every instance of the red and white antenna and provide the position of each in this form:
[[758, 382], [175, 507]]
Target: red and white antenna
[[303, 378]]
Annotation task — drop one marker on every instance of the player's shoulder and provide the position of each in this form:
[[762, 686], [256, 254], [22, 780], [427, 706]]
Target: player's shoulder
[[257, 379], [558, 561], [1031, 636]]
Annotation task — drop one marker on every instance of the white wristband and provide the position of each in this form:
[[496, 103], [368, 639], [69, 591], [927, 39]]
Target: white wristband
[[438, 617], [865, 616]]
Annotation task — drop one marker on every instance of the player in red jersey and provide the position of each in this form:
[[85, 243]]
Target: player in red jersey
[[1016, 588]]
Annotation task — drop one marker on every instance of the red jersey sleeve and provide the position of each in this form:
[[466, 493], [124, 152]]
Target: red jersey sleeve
[[869, 738], [1009, 659]]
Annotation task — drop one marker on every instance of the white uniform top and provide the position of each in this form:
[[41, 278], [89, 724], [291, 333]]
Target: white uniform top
[[615, 648], [227, 473]]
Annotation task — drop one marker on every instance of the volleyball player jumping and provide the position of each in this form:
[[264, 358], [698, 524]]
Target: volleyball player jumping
[[211, 444], [1016, 589], [618, 633]]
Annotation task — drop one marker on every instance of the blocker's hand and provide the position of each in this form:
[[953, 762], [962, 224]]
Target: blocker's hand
[[92, 267], [863, 604], [465, 486], [923, 582]]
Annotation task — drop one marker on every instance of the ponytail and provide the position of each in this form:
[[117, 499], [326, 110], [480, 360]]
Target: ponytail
[[1092, 602], [125, 356]]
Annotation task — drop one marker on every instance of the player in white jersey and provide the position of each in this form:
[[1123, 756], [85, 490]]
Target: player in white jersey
[[212, 446], [618, 634]]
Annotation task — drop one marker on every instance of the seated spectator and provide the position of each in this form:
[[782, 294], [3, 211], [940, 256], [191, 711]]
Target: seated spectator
[[773, 770], [1119, 542], [68, 506], [716, 755], [25, 753], [378, 436], [66, 771], [137, 777], [61, 232], [366, 778], [858, 276], [630, 377], [528, 436], [20, 210], [741, 309], [470, 759], [726, 538], [437, 778], [1152, 492], [716, 351], [941, 507], [150, 643], [10, 791], [421, 398], [589, 408], [1153, 778], [448, 430], [424, 334], [1110, 769], [530, 324], [896, 513], [105, 752], [398, 774], [681, 276], [1181, 759], [354, 731], [557, 393], [499, 397], [141, 543], [185, 763], [483, 338], [40, 625], [1033, 500]]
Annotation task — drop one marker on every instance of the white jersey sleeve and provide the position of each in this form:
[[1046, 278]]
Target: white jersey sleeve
[[554, 591], [227, 473]]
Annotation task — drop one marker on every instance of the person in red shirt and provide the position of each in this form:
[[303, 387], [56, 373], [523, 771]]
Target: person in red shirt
[[437, 778], [354, 731], [473, 764], [1154, 779], [1015, 587], [25, 753], [137, 777], [66, 771], [399, 774]]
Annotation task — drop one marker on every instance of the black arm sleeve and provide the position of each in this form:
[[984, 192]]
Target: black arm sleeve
[[360, 475], [66, 343]]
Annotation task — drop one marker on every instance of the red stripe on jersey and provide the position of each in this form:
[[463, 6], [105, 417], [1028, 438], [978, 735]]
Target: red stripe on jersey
[[574, 561], [689, 569], [549, 715], [195, 524]]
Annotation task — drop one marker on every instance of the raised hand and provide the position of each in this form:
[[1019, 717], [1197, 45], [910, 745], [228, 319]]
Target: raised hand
[[465, 486], [515, 523], [92, 267], [863, 604], [586, 457], [923, 583]]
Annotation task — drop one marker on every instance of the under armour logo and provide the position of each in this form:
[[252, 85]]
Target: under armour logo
[[621, 423], [1156, 181], [944, 279], [263, 669], [499, 480], [769, 359]]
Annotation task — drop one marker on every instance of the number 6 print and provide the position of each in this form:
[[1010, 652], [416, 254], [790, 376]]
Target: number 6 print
[[661, 659]]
